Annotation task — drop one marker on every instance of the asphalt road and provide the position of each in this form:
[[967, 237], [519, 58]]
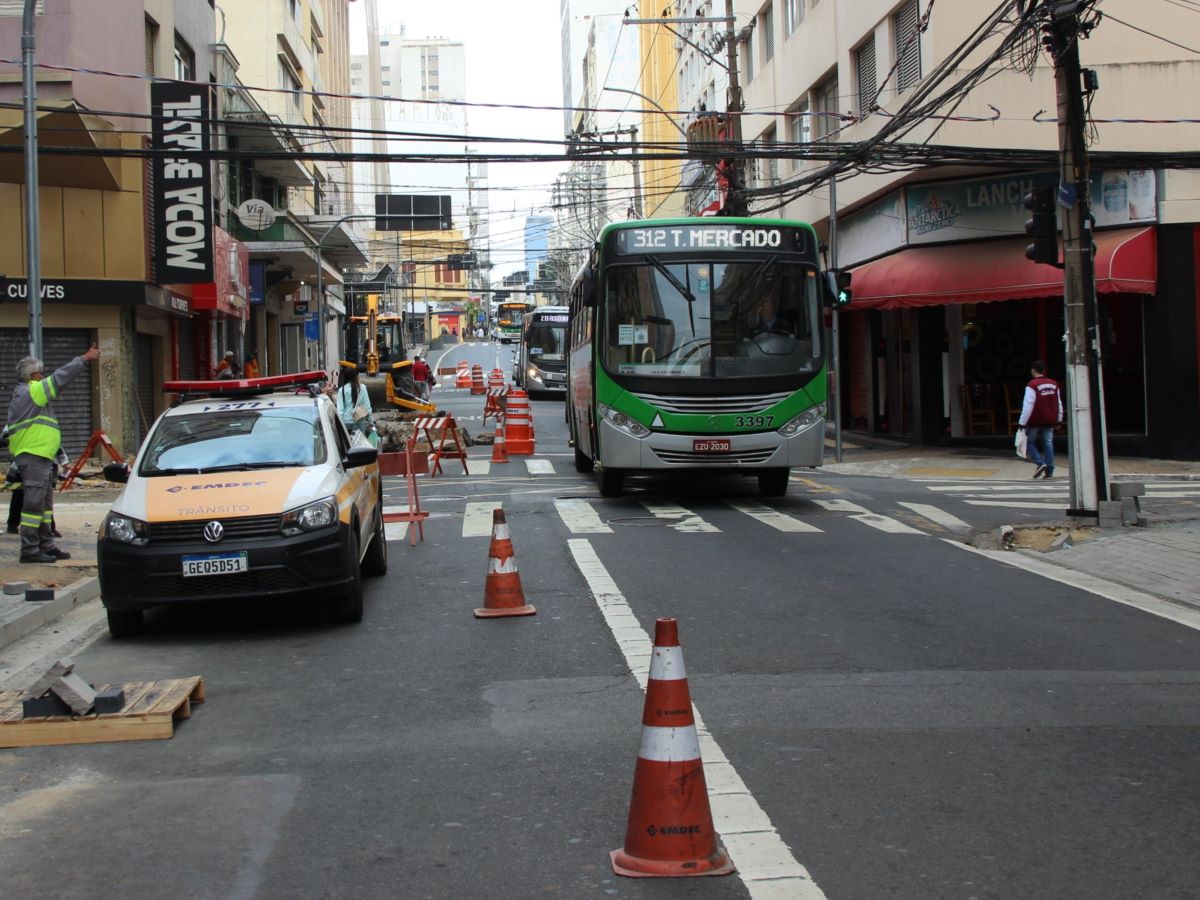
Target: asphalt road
[[914, 720]]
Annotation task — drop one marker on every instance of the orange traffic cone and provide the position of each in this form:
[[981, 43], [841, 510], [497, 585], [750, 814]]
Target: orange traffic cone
[[499, 450], [502, 594], [670, 831]]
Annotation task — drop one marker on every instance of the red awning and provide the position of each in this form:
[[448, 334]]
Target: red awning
[[998, 270]]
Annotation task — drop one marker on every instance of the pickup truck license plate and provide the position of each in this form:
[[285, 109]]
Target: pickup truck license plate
[[215, 564], [711, 445]]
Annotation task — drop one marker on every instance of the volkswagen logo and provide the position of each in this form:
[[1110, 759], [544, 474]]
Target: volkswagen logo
[[213, 532]]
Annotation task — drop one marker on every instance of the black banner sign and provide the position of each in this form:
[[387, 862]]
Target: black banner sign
[[183, 224]]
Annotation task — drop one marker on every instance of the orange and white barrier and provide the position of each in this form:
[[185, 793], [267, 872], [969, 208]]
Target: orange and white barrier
[[502, 593], [462, 378], [477, 386], [670, 832], [493, 406], [518, 424]]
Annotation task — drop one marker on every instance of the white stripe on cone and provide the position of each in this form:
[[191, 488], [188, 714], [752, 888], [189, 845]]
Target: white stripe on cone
[[502, 566], [669, 744], [501, 533], [667, 664]]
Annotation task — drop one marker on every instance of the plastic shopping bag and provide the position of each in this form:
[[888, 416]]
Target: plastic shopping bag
[[1021, 443]]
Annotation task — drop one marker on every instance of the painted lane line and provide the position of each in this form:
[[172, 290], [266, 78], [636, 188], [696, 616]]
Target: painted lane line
[[938, 516], [1028, 561], [681, 519], [773, 517], [764, 862], [580, 518], [1166, 494], [864, 515], [1030, 485], [539, 466], [395, 531], [1015, 505], [1016, 495], [477, 519]]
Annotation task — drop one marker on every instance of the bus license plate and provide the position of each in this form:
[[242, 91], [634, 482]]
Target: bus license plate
[[711, 445], [215, 564]]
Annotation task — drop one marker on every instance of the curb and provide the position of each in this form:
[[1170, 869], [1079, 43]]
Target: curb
[[39, 614]]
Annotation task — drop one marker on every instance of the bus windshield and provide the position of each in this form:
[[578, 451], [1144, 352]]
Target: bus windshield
[[545, 340], [712, 319]]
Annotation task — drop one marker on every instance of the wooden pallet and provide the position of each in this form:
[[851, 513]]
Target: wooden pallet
[[151, 708]]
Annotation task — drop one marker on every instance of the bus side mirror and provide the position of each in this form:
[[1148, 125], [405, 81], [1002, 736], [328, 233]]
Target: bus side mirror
[[837, 289], [588, 284]]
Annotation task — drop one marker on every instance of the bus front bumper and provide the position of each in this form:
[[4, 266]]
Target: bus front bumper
[[758, 450]]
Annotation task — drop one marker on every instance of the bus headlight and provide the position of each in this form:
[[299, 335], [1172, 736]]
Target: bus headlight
[[535, 373], [806, 419], [624, 422]]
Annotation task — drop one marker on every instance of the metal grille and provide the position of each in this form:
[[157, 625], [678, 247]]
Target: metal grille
[[741, 457], [59, 345], [739, 403], [187, 349], [864, 63], [218, 586], [908, 46], [193, 532], [145, 384], [767, 24]]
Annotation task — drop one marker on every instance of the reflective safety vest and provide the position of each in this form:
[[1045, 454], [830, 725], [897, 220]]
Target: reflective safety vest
[[32, 424]]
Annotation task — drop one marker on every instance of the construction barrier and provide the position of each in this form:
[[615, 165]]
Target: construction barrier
[[493, 406], [444, 441], [670, 832], [462, 378], [502, 593], [414, 463], [518, 424], [477, 385]]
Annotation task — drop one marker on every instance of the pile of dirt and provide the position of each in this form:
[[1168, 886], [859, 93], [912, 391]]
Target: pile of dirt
[[57, 575], [1041, 538]]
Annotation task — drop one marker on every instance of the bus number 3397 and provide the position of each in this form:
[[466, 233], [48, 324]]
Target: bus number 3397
[[753, 421]]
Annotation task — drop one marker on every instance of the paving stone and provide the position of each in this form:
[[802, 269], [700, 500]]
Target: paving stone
[[14, 588], [75, 692], [60, 668]]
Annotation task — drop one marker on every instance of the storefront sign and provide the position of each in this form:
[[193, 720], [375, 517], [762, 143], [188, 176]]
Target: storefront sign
[[258, 282], [227, 292], [166, 300], [873, 231], [90, 291], [991, 207], [182, 199], [312, 329]]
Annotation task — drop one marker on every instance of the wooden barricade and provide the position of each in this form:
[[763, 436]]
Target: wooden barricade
[[98, 437], [493, 405], [444, 441], [414, 514]]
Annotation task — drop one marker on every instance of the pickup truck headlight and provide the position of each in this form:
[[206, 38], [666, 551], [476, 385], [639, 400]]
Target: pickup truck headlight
[[125, 530], [805, 420], [317, 515], [624, 422]]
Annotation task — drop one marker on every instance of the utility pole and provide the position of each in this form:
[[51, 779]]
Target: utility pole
[[33, 230], [1085, 395], [835, 384], [637, 173], [736, 203]]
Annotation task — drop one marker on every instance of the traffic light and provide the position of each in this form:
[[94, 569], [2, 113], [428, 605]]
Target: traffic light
[[837, 288], [1042, 226]]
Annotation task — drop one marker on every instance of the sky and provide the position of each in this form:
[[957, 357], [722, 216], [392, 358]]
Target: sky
[[513, 56]]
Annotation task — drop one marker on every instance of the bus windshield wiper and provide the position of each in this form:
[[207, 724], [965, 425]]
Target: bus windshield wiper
[[678, 285], [757, 274]]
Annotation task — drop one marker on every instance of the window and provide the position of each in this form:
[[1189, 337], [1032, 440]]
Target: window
[[800, 123], [151, 44], [905, 27], [747, 56], [770, 168], [766, 22], [384, 43], [864, 70], [385, 68], [825, 100], [793, 15], [357, 67], [289, 82], [185, 60]]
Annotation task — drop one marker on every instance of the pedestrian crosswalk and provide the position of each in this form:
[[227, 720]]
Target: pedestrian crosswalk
[[1050, 496]]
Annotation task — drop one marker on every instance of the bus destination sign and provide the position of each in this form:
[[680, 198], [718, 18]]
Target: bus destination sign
[[691, 238]]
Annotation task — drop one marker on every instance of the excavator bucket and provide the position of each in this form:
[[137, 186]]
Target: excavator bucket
[[402, 390]]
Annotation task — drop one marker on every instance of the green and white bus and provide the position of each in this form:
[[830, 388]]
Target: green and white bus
[[699, 344]]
